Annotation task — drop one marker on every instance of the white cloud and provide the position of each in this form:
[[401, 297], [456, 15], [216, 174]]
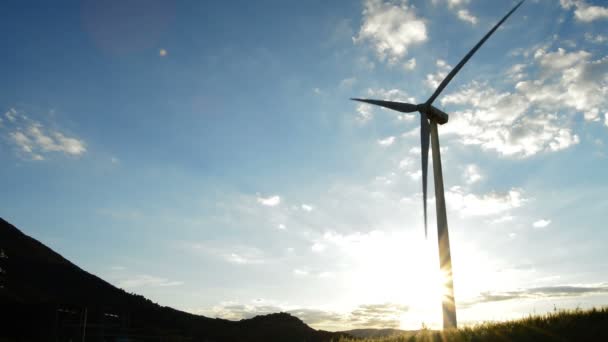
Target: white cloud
[[318, 247], [569, 79], [433, 80], [317, 91], [415, 175], [306, 207], [559, 59], [271, 201], [585, 12], [472, 174], [468, 204], [455, 3], [606, 119], [510, 123], [465, 15], [391, 27], [300, 273], [516, 72], [35, 140], [390, 95], [281, 226], [533, 117], [541, 223], [365, 112], [418, 150], [410, 64], [462, 13], [388, 141]]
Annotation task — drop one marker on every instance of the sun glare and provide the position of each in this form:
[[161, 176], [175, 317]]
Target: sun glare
[[403, 268]]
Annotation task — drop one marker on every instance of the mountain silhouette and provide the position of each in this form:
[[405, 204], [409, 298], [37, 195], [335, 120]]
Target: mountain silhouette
[[45, 297]]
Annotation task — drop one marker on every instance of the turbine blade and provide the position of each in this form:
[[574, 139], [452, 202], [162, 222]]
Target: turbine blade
[[424, 147], [398, 106], [454, 71]]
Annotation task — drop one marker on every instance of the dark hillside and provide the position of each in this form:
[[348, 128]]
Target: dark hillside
[[49, 298]]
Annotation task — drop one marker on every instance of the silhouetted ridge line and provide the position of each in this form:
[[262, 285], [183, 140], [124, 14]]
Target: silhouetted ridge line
[[48, 298]]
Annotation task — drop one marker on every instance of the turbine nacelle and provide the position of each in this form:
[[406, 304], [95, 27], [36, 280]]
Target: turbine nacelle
[[434, 114]]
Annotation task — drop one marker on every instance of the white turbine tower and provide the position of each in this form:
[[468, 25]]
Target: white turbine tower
[[430, 116]]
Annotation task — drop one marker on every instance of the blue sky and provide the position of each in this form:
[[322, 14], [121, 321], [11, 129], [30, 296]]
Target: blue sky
[[206, 155]]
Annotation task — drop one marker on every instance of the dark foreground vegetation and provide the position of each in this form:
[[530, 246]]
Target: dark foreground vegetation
[[564, 325]]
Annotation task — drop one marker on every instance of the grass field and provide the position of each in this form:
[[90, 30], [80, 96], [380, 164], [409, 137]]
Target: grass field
[[563, 325]]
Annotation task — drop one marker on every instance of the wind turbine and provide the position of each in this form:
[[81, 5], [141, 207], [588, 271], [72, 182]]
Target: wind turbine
[[430, 116]]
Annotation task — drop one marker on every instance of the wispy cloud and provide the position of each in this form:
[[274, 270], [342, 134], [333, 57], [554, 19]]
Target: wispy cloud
[[348, 83], [230, 253], [35, 141], [386, 315], [363, 316], [539, 292], [145, 280], [388, 141], [596, 39], [465, 15], [243, 259], [300, 273]]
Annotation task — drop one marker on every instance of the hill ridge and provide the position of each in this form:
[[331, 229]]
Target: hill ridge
[[44, 290]]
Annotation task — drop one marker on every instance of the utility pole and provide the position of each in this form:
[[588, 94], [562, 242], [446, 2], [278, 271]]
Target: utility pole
[[84, 326]]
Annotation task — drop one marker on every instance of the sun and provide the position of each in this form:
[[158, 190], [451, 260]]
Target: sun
[[397, 267], [393, 266]]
